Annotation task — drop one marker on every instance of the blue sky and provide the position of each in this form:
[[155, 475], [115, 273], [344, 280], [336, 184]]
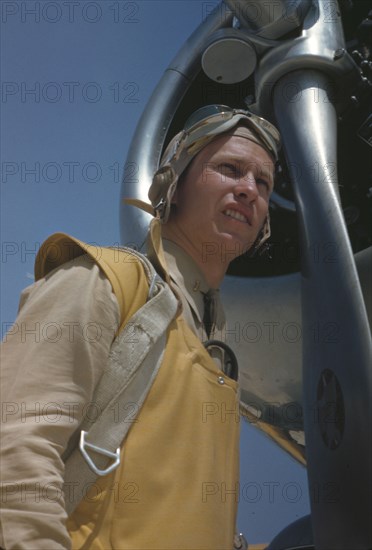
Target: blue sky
[[76, 77]]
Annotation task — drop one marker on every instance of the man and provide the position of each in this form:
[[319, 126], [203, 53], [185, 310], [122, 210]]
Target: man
[[212, 188]]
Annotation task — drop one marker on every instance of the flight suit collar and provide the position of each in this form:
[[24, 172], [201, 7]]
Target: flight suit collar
[[172, 265], [191, 282]]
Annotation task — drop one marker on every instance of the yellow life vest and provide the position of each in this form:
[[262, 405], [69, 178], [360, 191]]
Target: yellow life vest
[[124, 271], [177, 485]]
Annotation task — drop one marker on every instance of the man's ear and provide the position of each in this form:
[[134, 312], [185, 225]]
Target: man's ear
[[175, 196], [180, 181]]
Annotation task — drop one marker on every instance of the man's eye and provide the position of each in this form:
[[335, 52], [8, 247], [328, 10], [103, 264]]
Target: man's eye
[[230, 169], [264, 182]]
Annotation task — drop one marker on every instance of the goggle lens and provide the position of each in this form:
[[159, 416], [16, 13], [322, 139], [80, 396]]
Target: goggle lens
[[218, 114], [206, 112]]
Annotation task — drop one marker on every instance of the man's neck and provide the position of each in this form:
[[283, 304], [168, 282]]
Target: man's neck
[[210, 264]]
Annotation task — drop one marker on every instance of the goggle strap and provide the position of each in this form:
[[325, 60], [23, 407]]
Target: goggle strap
[[140, 204]]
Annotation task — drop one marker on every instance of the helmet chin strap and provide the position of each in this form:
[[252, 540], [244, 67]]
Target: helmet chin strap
[[258, 246]]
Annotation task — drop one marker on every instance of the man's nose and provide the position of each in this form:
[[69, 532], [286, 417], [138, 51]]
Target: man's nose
[[246, 187]]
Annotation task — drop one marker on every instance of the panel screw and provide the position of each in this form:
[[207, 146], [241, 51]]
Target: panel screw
[[337, 54]]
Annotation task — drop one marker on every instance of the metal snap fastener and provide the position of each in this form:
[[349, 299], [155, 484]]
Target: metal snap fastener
[[221, 380]]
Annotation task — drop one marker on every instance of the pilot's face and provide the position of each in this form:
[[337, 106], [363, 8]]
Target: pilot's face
[[223, 198]]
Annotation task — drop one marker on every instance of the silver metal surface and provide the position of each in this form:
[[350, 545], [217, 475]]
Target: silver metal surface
[[270, 19], [146, 146], [320, 46], [316, 320], [229, 57], [337, 374], [265, 329], [240, 542], [282, 202]]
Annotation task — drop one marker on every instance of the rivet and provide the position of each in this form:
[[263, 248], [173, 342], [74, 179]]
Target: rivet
[[337, 54], [221, 380]]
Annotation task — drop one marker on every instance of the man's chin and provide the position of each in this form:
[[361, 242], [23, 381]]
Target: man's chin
[[232, 246]]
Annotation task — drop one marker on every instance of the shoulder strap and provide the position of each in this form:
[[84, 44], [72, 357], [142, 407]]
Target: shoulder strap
[[134, 361]]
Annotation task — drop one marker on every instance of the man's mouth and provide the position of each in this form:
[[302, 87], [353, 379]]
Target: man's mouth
[[236, 215]]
